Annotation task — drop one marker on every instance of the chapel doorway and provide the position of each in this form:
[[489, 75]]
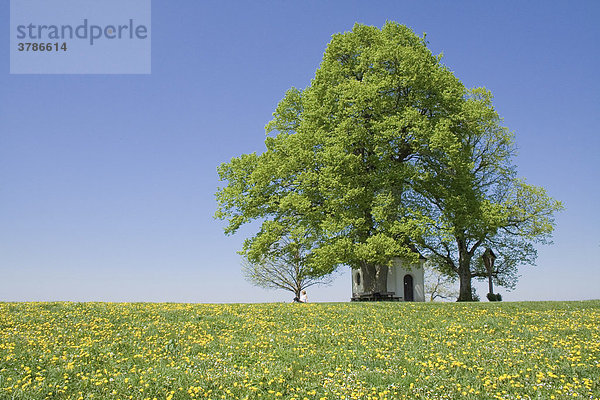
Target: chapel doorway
[[408, 288]]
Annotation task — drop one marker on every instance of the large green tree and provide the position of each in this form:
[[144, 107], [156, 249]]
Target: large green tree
[[341, 154], [474, 201]]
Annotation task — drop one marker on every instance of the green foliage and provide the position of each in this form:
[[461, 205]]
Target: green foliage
[[341, 154], [474, 200]]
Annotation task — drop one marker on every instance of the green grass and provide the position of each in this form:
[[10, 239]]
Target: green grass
[[540, 350]]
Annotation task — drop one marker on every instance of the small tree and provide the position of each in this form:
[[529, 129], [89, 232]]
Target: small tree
[[438, 285], [285, 266]]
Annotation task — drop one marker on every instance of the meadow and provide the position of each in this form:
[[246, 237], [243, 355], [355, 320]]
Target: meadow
[[538, 350]]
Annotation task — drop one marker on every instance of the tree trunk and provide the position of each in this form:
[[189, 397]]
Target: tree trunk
[[465, 293], [382, 275], [464, 273], [374, 277]]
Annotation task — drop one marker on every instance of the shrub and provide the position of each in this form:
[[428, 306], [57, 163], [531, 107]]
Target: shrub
[[494, 297]]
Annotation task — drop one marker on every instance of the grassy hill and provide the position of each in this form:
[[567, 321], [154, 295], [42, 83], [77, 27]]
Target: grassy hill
[[545, 350]]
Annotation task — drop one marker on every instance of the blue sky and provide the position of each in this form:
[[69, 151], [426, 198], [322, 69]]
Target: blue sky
[[107, 182]]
